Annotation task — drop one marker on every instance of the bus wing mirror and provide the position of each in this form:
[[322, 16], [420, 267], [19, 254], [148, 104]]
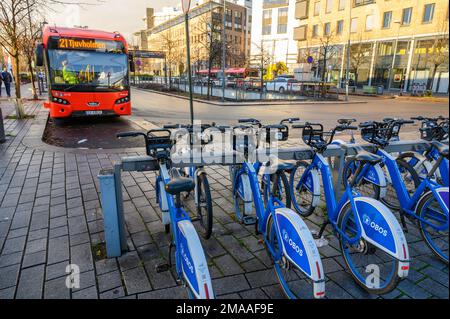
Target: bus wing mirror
[[132, 66], [39, 55]]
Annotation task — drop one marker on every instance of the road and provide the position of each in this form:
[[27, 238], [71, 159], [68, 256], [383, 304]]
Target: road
[[160, 109]]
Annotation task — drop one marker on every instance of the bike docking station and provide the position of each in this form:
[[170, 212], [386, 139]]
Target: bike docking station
[[111, 183]]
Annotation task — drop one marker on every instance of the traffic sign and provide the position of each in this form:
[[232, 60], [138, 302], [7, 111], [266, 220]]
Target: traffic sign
[[310, 59], [186, 4]]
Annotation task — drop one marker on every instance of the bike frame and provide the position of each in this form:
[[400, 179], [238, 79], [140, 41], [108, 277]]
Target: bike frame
[[186, 257], [408, 203]]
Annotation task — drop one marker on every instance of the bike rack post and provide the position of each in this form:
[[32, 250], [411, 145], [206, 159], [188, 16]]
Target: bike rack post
[[2, 128], [112, 205]]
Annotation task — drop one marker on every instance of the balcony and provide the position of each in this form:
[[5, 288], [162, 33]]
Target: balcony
[[300, 33], [359, 3], [301, 9]]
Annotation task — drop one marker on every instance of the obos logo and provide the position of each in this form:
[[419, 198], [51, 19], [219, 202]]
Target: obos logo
[[291, 243], [366, 220], [374, 225]]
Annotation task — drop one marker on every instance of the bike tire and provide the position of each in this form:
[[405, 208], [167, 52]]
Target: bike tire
[[421, 210], [393, 279], [275, 189], [289, 276], [204, 206], [364, 187], [303, 204], [391, 199]]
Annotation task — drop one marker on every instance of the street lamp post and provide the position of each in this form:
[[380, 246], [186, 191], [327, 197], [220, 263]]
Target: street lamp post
[[224, 50], [394, 56], [347, 73], [186, 7]]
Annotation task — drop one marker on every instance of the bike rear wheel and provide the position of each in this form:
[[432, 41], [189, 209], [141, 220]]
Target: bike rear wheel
[[294, 283], [430, 210], [364, 187], [411, 180], [302, 198], [204, 206], [373, 269], [279, 188]]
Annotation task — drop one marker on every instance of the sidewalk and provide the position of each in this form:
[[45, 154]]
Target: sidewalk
[[50, 217]]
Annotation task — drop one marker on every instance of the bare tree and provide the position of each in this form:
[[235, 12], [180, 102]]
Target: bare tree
[[360, 54], [169, 46], [438, 53], [327, 50]]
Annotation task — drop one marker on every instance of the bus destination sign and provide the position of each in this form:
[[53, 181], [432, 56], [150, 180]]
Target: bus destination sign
[[89, 45]]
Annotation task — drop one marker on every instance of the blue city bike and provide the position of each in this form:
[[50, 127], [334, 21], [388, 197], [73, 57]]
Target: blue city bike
[[435, 131], [190, 260], [425, 203], [372, 241], [289, 242]]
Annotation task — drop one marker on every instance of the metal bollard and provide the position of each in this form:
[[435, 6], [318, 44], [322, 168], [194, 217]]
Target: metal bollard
[[2, 128], [111, 198]]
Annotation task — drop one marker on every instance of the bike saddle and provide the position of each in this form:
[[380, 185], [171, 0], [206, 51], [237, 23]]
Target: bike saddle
[[179, 184], [367, 157], [275, 164], [441, 148]]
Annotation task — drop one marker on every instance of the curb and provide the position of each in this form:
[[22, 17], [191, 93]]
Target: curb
[[285, 102]]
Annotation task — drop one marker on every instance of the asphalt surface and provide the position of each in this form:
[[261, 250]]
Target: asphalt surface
[[162, 109]]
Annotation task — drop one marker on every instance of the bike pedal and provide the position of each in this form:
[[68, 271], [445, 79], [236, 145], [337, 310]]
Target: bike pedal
[[162, 268], [249, 220]]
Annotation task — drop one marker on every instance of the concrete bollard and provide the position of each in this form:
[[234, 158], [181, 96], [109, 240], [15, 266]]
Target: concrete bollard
[[2, 128]]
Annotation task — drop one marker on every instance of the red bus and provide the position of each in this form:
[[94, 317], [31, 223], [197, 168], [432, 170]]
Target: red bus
[[87, 72]]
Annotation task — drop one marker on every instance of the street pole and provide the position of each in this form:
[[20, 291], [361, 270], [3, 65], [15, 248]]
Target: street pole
[[347, 74], [2, 128], [224, 50], [188, 48]]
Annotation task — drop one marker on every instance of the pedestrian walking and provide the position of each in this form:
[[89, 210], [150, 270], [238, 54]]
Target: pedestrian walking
[[7, 80], [414, 89]]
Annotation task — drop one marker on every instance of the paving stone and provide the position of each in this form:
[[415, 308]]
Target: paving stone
[[31, 283], [169, 293], [159, 280], [87, 279], [253, 265], [254, 294], [343, 279], [136, 281], [34, 259], [227, 285], [58, 250], [36, 246], [81, 255], [109, 281], [14, 245], [262, 278], [437, 275], [7, 293], [88, 293], [58, 222], [10, 259], [14, 233], [228, 265], [56, 289], [106, 265], [9, 276], [412, 290], [113, 294], [333, 291], [37, 234], [129, 260], [434, 288], [274, 292], [57, 270]]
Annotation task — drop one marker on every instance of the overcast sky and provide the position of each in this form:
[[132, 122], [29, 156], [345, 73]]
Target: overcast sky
[[124, 16]]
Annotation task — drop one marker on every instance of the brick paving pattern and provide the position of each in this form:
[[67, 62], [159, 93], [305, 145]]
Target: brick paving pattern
[[50, 217]]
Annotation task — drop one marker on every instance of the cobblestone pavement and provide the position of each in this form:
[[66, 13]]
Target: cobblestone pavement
[[50, 217]]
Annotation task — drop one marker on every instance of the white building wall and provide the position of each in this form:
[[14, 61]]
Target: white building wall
[[280, 47]]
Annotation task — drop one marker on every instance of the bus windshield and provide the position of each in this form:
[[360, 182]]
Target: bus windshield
[[83, 69]]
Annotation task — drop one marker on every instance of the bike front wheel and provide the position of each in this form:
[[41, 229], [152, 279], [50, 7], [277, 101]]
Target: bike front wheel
[[303, 197], [279, 188], [430, 211], [365, 187], [373, 269], [294, 283]]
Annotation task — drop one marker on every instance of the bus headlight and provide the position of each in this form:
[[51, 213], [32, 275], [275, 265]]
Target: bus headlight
[[123, 100], [60, 101]]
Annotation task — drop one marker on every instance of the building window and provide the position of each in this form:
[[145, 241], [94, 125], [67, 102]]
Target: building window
[[342, 4], [369, 22], [301, 10], [282, 20], [406, 18], [428, 13], [300, 33], [340, 27], [329, 7], [387, 19], [327, 28], [267, 22], [315, 31], [317, 8], [354, 27]]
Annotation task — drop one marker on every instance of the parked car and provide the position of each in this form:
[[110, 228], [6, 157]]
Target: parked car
[[251, 84], [282, 85]]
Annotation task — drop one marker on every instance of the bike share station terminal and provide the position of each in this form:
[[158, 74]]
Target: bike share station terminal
[[111, 184]]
